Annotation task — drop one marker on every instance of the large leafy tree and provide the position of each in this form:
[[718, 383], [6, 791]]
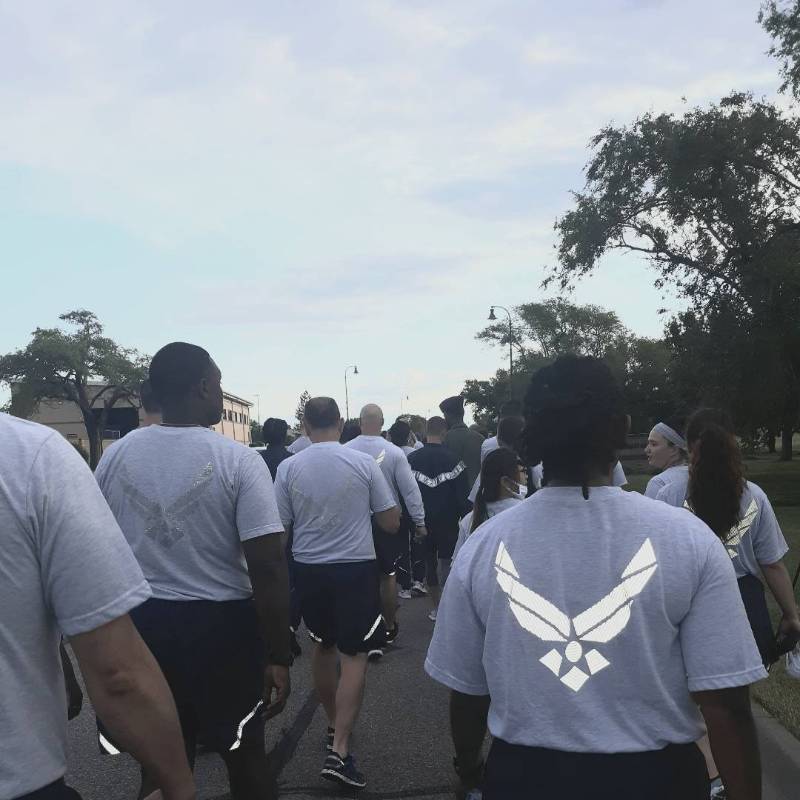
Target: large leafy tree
[[782, 22], [300, 411], [80, 365], [710, 199]]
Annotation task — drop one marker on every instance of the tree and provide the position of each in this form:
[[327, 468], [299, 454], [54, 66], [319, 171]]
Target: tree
[[710, 199], [782, 22], [300, 411], [82, 366]]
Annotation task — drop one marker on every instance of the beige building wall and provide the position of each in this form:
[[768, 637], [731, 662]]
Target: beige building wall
[[65, 417]]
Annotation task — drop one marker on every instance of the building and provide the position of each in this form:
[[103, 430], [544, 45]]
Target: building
[[65, 417]]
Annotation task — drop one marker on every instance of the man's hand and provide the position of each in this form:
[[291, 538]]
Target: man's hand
[[277, 680], [420, 533], [790, 627]]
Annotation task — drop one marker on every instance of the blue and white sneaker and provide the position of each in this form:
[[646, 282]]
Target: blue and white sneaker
[[329, 739], [342, 771]]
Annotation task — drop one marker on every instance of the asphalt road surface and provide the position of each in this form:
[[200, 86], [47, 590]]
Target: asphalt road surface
[[402, 741]]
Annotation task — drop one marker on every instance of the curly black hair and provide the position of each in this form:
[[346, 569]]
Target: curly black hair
[[575, 420], [716, 471]]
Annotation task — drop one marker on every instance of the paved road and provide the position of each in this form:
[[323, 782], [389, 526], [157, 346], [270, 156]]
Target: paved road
[[402, 742]]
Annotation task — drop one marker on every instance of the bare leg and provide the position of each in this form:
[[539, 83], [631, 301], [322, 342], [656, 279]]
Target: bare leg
[[389, 599], [147, 785], [435, 593], [348, 700], [324, 672]]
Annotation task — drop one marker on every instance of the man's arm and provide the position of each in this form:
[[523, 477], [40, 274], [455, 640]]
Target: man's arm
[[780, 584], [266, 563], [734, 742], [388, 520], [468, 715], [132, 698]]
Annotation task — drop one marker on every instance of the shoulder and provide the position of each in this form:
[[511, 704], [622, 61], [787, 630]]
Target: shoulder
[[23, 441], [753, 491]]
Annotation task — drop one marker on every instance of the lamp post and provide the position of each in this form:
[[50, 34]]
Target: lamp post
[[258, 408], [346, 395], [492, 317]]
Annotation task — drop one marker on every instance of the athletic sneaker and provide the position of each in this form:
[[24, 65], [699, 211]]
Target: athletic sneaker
[[329, 739], [343, 771], [474, 794], [405, 594], [432, 616], [391, 635], [376, 654], [418, 589], [717, 790]]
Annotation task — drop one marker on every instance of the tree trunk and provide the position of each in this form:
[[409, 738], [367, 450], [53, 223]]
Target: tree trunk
[[786, 442], [771, 441], [94, 432]]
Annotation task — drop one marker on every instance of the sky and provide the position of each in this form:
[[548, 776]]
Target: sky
[[302, 186]]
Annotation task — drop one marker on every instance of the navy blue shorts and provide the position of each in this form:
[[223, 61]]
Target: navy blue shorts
[[55, 791], [341, 605], [211, 654], [389, 547], [514, 772]]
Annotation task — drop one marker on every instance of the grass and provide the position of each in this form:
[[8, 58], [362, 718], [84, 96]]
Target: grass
[[779, 694]]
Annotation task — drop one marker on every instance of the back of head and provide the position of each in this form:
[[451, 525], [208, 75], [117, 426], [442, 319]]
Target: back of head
[[575, 420], [511, 408], [509, 432], [350, 431], [149, 402], [371, 419], [321, 413], [716, 472], [452, 408], [176, 369], [275, 431], [500, 463], [399, 433], [437, 427]]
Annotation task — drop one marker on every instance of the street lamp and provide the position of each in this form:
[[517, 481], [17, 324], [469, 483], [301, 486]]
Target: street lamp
[[258, 408], [492, 318], [346, 395]]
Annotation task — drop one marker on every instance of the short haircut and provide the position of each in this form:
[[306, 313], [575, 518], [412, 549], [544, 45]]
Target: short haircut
[[575, 419], [511, 408], [509, 431], [437, 426], [321, 412], [149, 402], [274, 431], [399, 433], [175, 369]]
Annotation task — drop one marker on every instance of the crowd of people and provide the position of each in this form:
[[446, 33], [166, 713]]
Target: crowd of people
[[604, 639]]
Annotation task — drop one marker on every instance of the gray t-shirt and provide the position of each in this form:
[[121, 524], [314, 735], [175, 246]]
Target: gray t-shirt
[[299, 444], [328, 493], [397, 471], [186, 498], [492, 510], [756, 540], [64, 569], [679, 475], [589, 622]]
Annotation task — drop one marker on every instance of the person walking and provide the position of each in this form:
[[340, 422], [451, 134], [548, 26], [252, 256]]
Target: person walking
[[595, 630], [328, 496], [461, 441], [389, 547], [666, 451], [66, 569], [442, 480], [199, 513], [274, 433]]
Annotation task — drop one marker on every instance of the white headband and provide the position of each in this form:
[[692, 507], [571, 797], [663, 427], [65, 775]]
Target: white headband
[[670, 434]]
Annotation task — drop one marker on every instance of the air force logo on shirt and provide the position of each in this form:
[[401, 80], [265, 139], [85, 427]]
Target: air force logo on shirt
[[599, 624], [737, 533]]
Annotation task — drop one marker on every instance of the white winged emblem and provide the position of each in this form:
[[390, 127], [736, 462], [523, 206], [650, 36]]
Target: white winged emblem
[[735, 535], [599, 624], [380, 458]]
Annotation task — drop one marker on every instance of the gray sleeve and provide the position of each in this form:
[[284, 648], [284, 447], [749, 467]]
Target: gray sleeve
[[672, 494], [619, 477], [282, 494], [654, 486], [89, 575], [380, 495], [256, 508], [409, 490], [716, 639], [769, 545], [455, 655]]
